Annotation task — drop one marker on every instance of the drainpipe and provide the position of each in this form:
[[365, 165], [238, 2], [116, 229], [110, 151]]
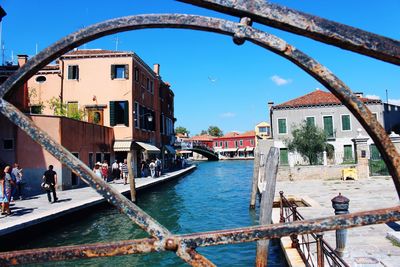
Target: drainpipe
[[61, 75], [270, 104]]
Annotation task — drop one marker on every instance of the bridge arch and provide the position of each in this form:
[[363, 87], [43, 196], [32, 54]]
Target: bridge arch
[[240, 32]]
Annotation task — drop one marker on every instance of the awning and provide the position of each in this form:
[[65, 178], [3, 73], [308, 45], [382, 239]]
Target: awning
[[230, 150], [185, 151], [170, 149], [249, 148], [241, 149], [149, 148], [122, 145]]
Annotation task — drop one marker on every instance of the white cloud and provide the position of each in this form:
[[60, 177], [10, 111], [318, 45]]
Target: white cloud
[[394, 102], [279, 80], [227, 115], [372, 96]]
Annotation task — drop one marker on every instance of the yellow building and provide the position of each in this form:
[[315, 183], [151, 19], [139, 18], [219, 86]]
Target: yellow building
[[263, 131]]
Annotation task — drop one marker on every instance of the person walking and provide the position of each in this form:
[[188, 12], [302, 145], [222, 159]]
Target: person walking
[[5, 204], [104, 170], [152, 167], [115, 173], [8, 185], [17, 173], [50, 179], [124, 171], [97, 169], [158, 167]]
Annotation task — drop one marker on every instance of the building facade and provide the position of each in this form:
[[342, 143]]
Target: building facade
[[235, 145], [114, 89], [262, 131], [325, 111]]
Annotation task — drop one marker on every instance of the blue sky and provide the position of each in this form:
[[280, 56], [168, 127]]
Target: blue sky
[[215, 81]]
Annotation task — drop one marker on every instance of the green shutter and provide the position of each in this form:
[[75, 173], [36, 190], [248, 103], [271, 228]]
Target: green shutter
[[283, 157], [328, 126], [112, 113], [348, 153], [310, 121], [282, 126], [127, 71], [69, 72], [126, 113], [77, 72], [112, 72], [345, 122]]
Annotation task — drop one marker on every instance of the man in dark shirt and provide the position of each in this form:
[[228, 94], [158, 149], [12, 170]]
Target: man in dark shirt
[[50, 178]]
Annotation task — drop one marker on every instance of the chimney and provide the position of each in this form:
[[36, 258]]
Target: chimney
[[22, 59], [156, 69], [359, 94], [270, 104]]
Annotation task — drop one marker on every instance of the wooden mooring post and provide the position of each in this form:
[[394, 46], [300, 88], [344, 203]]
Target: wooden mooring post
[[131, 176], [256, 171], [268, 173]]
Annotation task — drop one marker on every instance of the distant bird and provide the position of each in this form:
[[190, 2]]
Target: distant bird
[[213, 80]]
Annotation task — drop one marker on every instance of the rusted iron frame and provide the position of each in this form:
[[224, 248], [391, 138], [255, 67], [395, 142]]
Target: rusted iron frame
[[260, 38], [330, 253], [314, 27], [109, 249], [255, 233]]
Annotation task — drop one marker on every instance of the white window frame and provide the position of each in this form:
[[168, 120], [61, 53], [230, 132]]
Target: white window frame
[[277, 124], [341, 122]]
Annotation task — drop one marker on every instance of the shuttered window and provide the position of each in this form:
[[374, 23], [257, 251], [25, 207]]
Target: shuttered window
[[119, 72], [283, 157], [310, 121], [328, 126], [348, 153], [119, 113], [282, 126], [346, 123], [72, 109], [73, 72]]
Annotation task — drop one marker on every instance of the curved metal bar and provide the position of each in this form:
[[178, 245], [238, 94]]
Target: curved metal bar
[[307, 25], [268, 41], [109, 249], [255, 233], [260, 38]]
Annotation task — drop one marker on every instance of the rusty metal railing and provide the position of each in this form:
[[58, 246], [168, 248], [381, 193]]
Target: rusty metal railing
[[184, 245], [312, 248]]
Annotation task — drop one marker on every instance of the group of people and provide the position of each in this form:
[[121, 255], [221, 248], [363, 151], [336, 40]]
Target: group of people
[[119, 170], [11, 186], [151, 167]]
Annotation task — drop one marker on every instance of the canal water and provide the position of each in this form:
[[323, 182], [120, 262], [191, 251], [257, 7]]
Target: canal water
[[213, 197]]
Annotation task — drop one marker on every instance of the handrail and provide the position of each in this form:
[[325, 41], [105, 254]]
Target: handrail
[[289, 213]]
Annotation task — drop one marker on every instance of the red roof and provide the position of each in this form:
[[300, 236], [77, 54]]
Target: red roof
[[318, 98], [87, 52], [204, 137]]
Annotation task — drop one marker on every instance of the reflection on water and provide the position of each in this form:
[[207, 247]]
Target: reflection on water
[[214, 197]]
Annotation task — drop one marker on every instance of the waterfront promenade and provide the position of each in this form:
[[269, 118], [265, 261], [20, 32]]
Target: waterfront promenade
[[35, 210], [367, 244]]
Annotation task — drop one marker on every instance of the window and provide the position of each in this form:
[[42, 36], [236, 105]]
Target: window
[[252, 142], [137, 74], [375, 115], [236, 143], [262, 129], [310, 121], [8, 144], [346, 126], [119, 113], [98, 157], [136, 114], [40, 79], [148, 84], [216, 143], [72, 109], [152, 87], [119, 72], [241, 142], [91, 163], [282, 126], [328, 126], [226, 144], [73, 72], [283, 157], [348, 153], [162, 125]]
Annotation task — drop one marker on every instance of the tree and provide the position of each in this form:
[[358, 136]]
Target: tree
[[309, 141], [215, 131], [61, 109], [181, 130]]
